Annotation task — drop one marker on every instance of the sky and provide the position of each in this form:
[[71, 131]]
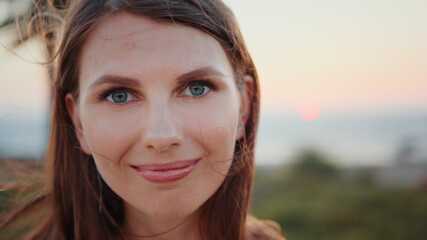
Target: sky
[[323, 56], [316, 59], [23, 81], [337, 55]]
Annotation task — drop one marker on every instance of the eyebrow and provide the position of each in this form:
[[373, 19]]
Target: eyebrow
[[198, 73], [184, 78], [113, 79]]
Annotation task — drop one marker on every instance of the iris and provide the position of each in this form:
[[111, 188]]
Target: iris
[[119, 96], [197, 89]]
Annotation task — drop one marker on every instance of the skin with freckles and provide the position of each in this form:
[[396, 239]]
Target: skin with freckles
[[157, 93]]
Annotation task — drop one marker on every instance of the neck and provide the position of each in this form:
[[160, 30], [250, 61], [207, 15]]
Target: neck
[[139, 226]]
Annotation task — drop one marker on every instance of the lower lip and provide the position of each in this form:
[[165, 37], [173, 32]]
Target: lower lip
[[167, 175]]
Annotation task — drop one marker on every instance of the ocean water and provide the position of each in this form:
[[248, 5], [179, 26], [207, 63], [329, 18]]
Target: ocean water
[[23, 133], [349, 139]]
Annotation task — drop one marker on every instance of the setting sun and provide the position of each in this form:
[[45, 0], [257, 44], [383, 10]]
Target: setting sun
[[309, 113]]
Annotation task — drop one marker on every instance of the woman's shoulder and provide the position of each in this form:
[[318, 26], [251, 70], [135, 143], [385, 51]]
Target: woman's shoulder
[[262, 229]]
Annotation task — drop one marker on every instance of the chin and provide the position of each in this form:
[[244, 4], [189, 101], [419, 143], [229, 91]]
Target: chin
[[175, 207]]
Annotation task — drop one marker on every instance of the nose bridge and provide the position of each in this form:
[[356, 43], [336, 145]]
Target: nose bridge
[[160, 123], [161, 129]]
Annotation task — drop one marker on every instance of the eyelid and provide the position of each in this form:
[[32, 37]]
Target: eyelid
[[206, 82]]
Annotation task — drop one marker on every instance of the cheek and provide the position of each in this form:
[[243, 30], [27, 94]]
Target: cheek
[[108, 135], [217, 129], [219, 142]]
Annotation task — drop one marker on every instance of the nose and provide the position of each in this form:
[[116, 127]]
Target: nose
[[161, 131]]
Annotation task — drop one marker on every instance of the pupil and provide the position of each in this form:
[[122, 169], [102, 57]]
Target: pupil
[[119, 97], [197, 90]]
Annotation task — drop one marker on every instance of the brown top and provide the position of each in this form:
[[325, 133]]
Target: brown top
[[263, 229]]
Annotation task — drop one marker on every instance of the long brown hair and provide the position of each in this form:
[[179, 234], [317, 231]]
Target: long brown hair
[[72, 197]]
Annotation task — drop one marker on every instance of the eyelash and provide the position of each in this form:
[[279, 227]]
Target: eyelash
[[112, 90], [207, 83]]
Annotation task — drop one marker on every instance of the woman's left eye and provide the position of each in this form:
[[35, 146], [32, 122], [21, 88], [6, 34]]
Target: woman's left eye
[[120, 96], [197, 89]]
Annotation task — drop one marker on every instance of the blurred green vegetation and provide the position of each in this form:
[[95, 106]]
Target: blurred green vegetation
[[8, 199], [19, 181], [312, 199]]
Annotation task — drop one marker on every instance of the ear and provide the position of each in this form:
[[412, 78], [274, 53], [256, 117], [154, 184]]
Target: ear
[[72, 109], [246, 95]]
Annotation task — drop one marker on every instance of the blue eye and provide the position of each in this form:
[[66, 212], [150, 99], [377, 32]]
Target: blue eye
[[120, 96], [196, 89]]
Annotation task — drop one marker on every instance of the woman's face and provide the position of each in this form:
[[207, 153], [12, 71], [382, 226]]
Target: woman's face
[[159, 111]]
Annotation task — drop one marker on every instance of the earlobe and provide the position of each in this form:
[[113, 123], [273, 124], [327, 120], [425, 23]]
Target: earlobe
[[75, 117], [246, 96]]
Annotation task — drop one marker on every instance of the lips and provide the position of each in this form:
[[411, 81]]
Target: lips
[[169, 172]]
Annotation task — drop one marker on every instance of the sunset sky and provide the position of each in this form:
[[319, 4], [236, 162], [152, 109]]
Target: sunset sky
[[338, 55], [311, 55]]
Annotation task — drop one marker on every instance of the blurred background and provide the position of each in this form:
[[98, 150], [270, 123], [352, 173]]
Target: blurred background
[[342, 147]]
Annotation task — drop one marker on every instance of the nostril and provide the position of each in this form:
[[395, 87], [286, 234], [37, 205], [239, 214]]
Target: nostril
[[160, 131], [162, 144]]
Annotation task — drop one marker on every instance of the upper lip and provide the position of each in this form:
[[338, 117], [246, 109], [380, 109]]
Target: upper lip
[[166, 166]]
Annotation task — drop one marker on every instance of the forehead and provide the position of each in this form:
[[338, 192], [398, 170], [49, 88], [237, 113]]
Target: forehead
[[130, 45]]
